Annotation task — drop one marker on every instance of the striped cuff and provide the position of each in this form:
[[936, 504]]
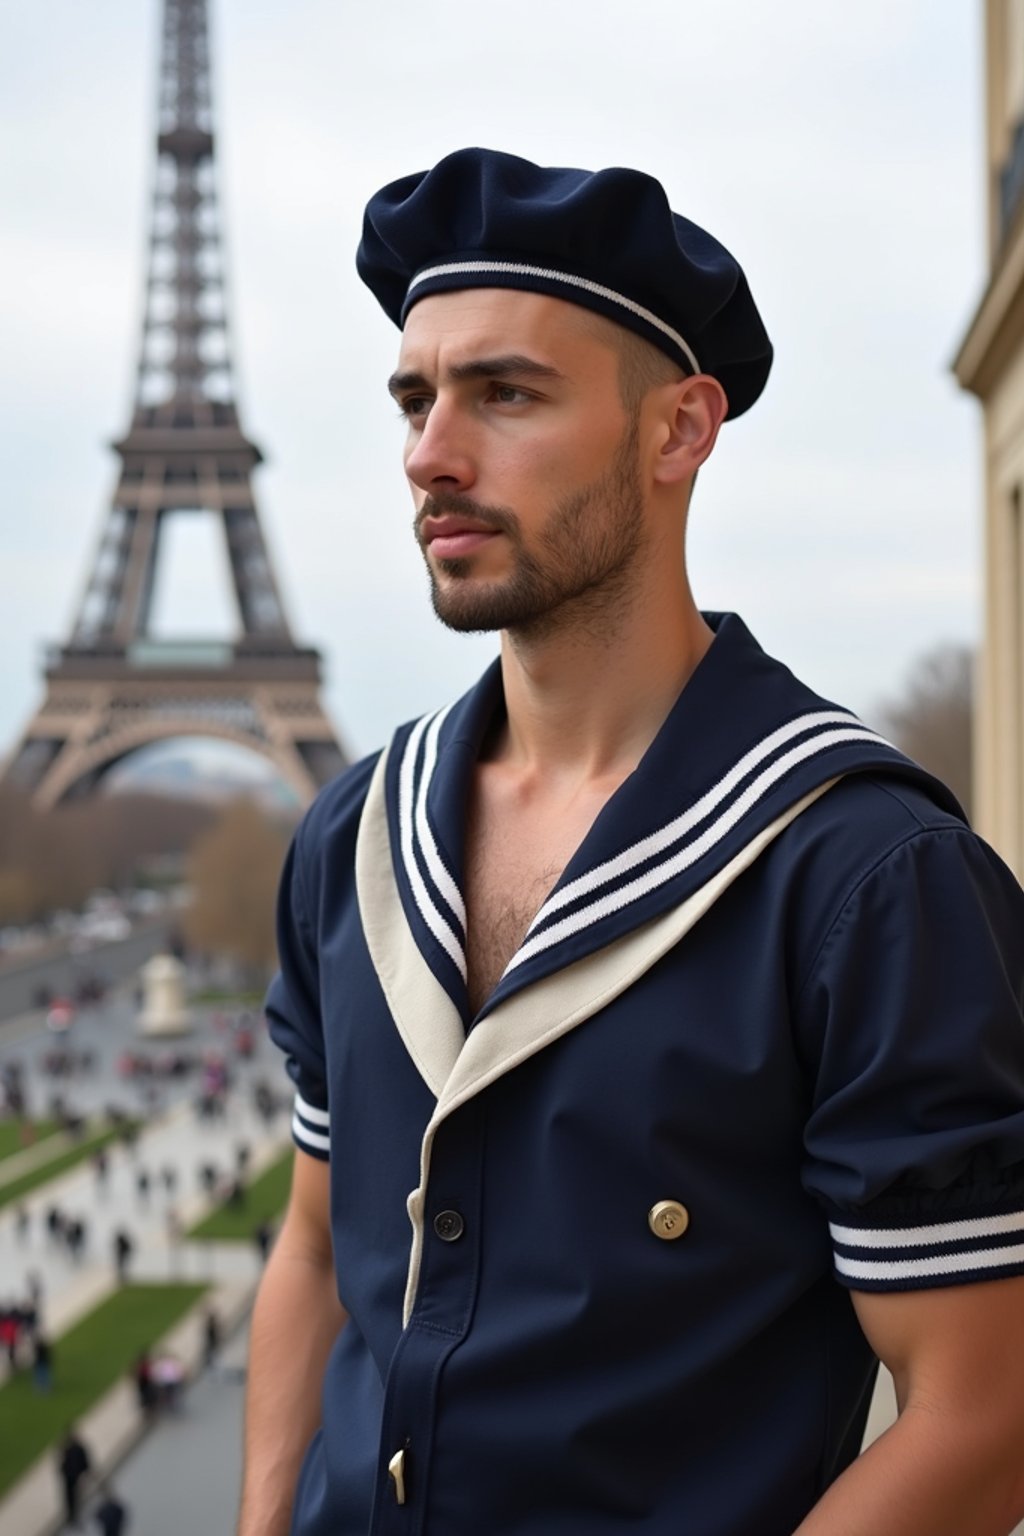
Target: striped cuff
[[311, 1129], [939, 1253]]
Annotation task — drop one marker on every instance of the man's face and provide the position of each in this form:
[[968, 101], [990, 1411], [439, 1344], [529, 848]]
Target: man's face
[[522, 461]]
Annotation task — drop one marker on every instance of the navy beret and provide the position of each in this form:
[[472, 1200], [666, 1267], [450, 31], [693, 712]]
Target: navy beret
[[607, 240]]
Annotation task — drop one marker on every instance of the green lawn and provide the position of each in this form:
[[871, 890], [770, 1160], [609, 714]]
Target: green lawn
[[87, 1360], [229, 999], [265, 1200], [11, 1135], [77, 1153]]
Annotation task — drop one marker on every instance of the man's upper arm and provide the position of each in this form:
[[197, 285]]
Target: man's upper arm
[[957, 1358], [306, 1230], [960, 1346]]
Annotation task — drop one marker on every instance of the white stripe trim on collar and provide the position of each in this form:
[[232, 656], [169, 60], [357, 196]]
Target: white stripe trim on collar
[[624, 895], [308, 1112], [524, 269], [674, 830], [434, 919], [438, 872]]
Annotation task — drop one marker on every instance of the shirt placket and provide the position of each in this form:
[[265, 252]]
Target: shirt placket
[[452, 1217]]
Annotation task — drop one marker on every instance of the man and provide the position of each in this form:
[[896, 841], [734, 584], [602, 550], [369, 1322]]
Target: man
[[73, 1465], [686, 1008]]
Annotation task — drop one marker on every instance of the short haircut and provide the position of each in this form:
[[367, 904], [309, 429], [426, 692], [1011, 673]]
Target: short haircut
[[642, 366]]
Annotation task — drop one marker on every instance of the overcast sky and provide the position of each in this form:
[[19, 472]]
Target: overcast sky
[[836, 149]]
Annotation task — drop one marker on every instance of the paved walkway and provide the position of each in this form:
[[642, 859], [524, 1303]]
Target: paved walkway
[[186, 1475], [173, 1138]]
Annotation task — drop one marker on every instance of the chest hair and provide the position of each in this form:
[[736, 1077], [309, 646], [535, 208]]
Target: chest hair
[[504, 892]]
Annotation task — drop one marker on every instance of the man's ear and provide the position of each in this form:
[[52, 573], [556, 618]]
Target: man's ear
[[693, 410]]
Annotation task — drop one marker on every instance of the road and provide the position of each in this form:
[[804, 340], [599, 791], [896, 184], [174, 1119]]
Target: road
[[61, 971]]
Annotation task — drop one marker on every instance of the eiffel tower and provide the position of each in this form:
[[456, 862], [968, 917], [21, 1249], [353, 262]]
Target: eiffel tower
[[113, 688]]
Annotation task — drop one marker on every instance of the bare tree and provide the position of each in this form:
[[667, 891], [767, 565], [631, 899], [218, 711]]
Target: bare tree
[[233, 870], [932, 720], [53, 859]]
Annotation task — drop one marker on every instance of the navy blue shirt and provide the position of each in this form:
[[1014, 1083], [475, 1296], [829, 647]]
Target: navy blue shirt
[[779, 985]]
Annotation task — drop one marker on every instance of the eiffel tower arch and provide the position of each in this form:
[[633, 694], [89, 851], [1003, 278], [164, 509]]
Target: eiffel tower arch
[[114, 688]]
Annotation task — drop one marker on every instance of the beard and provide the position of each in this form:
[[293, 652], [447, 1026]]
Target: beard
[[578, 576]]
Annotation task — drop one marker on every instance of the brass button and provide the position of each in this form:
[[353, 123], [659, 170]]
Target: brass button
[[449, 1226], [668, 1219]]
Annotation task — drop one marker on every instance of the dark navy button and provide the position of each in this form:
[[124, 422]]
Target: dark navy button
[[449, 1226]]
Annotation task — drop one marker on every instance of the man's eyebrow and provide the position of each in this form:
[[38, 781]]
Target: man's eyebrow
[[509, 365]]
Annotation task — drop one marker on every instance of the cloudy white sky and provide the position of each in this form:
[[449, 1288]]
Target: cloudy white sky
[[836, 149]]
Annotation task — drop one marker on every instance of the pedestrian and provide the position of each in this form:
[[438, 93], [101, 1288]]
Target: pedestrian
[[34, 1287], [76, 1235], [145, 1386], [42, 1364], [124, 1247], [264, 1102], [101, 1168], [169, 1176], [211, 1338], [29, 1314], [142, 1183], [21, 1223], [243, 1156], [73, 1465], [175, 1233], [10, 1332], [697, 1005], [110, 1514], [263, 1237]]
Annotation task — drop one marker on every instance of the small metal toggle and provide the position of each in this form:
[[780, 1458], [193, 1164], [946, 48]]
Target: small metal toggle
[[396, 1472]]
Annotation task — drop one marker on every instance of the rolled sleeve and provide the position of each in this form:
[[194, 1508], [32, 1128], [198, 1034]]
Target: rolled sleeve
[[293, 1011], [912, 1016]]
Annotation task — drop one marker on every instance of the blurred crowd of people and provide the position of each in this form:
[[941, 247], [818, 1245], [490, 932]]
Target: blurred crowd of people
[[218, 1079]]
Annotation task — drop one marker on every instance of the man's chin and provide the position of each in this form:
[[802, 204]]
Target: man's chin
[[476, 612], [467, 619]]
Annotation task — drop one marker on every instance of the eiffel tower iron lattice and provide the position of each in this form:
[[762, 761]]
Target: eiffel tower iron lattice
[[113, 688]]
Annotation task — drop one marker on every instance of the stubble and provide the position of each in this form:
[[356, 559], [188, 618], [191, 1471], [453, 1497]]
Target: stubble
[[578, 578]]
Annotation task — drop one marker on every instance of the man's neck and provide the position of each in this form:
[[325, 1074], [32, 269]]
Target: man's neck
[[581, 709]]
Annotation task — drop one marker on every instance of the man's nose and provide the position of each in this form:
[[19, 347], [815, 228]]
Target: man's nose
[[441, 457]]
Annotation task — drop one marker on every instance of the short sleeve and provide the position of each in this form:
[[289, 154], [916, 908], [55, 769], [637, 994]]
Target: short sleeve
[[293, 1010], [911, 1022]]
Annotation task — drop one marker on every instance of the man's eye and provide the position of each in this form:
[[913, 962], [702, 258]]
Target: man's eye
[[507, 394], [414, 405]]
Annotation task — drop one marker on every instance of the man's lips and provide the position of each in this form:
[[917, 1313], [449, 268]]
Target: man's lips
[[449, 537]]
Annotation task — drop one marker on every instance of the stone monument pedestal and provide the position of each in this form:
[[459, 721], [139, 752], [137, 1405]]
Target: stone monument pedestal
[[163, 1010]]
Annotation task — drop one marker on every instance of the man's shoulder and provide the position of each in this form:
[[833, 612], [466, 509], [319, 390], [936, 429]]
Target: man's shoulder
[[863, 820], [330, 825], [338, 805], [881, 808], [881, 827]]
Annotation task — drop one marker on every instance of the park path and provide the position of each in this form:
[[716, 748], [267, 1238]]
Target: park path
[[175, 1137]]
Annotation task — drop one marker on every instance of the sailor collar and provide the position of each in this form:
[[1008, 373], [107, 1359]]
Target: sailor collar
[[744, 741]]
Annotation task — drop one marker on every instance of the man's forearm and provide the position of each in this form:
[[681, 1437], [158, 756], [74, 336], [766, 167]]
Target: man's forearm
[[930, 1474], [295, 1321]]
